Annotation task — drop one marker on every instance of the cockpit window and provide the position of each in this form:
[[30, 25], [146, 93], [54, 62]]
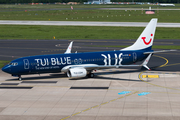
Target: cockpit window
[[13, 64]]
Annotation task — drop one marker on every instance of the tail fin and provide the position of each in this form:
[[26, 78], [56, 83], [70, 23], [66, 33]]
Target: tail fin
[[145, 40]]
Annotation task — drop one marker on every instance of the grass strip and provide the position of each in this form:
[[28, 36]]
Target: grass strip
[[80, 32], [171, 16], [49, 6], [2, 63], [154, 46]]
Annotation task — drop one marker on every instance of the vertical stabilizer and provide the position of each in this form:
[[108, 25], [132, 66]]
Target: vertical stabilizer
[[145, 40]]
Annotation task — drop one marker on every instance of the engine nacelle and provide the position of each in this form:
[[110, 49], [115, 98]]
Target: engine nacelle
[[76, 73]]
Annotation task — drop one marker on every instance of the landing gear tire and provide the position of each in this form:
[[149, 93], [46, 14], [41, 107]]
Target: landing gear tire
[[19, 78], [91, 75]]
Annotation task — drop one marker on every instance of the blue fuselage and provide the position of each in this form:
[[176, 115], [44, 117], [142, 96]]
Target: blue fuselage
[[54, 63]]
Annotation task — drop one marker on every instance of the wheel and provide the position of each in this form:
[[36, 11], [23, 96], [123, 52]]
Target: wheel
[[91, 75], [19, 78]]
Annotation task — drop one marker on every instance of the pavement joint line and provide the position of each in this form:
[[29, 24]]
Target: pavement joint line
[[99, 105], [157, 67]]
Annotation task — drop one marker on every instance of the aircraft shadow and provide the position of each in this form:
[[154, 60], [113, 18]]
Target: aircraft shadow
[[51, 76], [110, 78], [112, 72], [60, 75], [118, 72]]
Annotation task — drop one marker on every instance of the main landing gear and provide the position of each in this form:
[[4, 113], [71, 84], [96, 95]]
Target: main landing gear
[[90, 75]]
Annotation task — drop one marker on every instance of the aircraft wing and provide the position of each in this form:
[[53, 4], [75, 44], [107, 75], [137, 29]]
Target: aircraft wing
[[90, 67], [69, 48], [159, 51]]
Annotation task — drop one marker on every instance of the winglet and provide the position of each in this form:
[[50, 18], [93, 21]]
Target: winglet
[[146, 62], [69, 48]]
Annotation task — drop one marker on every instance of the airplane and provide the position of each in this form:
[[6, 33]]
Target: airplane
[[79, 65], [164, 5]]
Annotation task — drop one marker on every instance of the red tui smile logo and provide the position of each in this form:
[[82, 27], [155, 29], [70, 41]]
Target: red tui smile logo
[[147, 43]]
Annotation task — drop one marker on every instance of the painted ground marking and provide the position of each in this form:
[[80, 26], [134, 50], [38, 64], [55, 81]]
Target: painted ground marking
[[124, 92], [150, 76], [144, 93], [164, 65], [100, 104]]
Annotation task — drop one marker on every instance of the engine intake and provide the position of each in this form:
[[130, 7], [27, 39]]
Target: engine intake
[[76, 73]]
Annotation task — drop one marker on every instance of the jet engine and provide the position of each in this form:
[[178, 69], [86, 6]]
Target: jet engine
[[76, 73]]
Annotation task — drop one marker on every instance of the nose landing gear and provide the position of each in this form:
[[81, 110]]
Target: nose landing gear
[[19, 77]]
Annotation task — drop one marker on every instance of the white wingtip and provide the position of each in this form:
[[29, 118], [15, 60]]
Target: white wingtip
[[146, 67], [146, 62]]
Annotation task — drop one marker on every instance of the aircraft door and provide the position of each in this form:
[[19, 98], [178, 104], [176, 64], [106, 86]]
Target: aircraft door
[[26, 64], [134, 57]]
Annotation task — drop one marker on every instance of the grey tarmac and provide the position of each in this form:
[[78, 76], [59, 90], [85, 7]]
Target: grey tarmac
[[13, 49], [130, 94], [85, 23]]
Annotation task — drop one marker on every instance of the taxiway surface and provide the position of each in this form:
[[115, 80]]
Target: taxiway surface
[[13, 49], [85, 23], [125, 94]]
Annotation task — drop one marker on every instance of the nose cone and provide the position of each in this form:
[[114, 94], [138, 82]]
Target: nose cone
[[6, 69]]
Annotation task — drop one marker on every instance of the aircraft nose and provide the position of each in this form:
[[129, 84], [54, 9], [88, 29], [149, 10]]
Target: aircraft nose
[[6, 69]]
